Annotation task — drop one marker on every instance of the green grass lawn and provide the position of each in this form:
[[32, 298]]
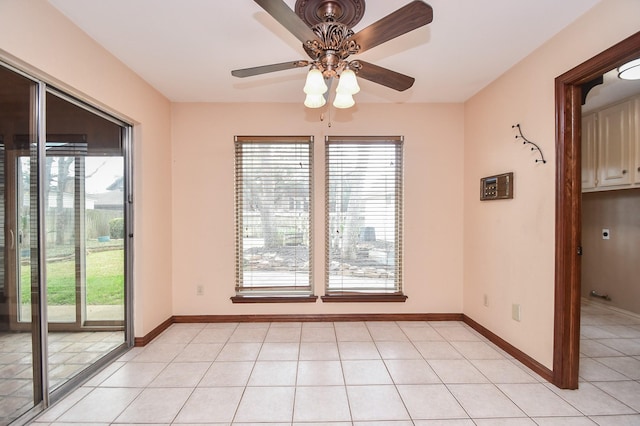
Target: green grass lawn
[[105, 280]]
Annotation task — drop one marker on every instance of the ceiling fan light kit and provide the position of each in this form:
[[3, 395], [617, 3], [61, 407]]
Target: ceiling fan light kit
[[324, 28]]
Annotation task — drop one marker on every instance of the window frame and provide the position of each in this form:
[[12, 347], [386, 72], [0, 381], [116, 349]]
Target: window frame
[[275, 293], [350, 293]]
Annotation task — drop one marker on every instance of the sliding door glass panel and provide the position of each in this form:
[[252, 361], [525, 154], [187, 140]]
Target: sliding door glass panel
[[84, 222], [20, 356]]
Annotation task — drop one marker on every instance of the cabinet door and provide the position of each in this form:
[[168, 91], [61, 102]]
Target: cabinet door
[[614, 142], [589, 151]]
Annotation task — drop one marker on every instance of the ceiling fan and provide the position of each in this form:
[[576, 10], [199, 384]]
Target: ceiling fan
[[325, 29]]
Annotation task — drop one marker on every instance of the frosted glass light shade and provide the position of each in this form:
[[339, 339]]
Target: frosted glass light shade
[[314, 101], [315, 84], [630, 70], [343, 100], [348, 82]]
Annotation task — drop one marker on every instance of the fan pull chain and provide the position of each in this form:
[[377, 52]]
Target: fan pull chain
[[329, 116], [329, 108]]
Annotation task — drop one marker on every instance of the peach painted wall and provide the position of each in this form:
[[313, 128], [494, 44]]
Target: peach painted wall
[[37, 38], [203, 212], [183, 155], [509, 244]]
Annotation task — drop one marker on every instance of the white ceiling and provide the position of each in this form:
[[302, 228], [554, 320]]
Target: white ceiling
[[186, 49], [611, 90]]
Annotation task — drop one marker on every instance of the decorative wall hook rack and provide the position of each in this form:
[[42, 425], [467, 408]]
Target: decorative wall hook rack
[[534, 147]]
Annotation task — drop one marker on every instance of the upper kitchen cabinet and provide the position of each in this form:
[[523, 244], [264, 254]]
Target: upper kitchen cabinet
[[614, 135], [611, 147]]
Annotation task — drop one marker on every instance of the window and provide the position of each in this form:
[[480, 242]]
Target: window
[[363, 218], [273, 191]]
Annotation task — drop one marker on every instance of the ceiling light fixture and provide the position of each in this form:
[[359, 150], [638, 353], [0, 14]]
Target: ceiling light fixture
[[325, 28], [330, 50], [630, 70]]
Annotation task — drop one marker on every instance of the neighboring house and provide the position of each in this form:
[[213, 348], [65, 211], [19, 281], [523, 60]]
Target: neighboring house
[[112, 199]]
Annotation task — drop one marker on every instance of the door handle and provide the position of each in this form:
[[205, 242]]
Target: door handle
[[12, 240]]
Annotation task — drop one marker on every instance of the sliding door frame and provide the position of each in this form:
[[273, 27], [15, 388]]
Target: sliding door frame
[[43, 396]]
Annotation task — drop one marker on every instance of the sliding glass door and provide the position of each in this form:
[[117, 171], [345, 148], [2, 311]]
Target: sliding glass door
[[64, 203]]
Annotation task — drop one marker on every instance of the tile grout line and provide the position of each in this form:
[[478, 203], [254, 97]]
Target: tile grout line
[[344, 380]]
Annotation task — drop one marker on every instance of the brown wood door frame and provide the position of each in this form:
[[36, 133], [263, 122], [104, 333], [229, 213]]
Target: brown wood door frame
[[566, 345]]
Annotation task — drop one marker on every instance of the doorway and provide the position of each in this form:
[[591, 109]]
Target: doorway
[[568, 88]]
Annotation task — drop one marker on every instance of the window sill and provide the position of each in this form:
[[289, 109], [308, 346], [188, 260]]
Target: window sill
[[274, 299], [354, 297]]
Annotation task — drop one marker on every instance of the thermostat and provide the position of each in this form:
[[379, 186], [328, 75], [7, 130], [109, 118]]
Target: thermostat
[[498, 187]]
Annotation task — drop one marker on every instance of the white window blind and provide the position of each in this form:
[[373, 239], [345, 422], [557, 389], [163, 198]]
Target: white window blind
[[363, 245], [273, 190]]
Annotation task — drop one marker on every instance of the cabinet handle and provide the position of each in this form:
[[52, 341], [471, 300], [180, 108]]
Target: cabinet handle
[[624, 172], [638, 169]]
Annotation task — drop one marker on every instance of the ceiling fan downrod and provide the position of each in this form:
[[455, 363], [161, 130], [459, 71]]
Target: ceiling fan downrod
[[329, 11]]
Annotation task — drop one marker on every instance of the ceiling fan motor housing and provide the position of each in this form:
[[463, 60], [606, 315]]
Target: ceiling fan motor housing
[[332, 47]]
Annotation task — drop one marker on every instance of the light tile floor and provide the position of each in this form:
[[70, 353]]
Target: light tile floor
[[69, 353], [356, 374]]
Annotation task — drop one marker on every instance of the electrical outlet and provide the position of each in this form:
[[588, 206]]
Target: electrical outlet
[[486, 300], [515, 312], [200, 290]]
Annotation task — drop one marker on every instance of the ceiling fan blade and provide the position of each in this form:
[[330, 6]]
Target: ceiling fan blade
[[279, 10], [248, 72], [407, 18], [384, 76]]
